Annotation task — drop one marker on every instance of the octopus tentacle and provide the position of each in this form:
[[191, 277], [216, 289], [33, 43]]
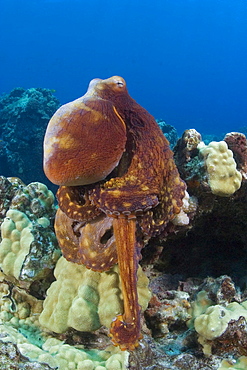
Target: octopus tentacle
[[92, 244], [67, 239], [74, 201], [97, 246], [125, 329], [170, 200], [116, 201], [147, 171]]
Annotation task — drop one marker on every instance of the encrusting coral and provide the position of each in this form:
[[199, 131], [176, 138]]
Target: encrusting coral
[[237, 142], [187, 146], [19, 325], [16, 304], [188, 209], [16, 241], [57, 354], [214, 322], [223, 177], [218, 167]]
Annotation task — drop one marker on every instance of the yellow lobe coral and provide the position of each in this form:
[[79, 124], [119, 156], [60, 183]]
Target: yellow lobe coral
[[85, 299], [214, 322], [16, 241], [239, 364], [223, 177]]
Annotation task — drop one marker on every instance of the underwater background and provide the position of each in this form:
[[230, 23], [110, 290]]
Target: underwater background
[[185, 61]]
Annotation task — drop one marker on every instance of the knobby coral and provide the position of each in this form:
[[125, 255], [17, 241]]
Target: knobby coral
[[23, 340], [223, 177], [28, 246], [79, 298], [111, 160]]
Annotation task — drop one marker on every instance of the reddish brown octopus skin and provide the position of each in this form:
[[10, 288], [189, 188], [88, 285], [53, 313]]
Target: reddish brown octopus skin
[[65, 141], [142, 194], [75, 236]]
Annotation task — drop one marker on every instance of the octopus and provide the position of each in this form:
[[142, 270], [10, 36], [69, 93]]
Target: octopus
[[118, 187]]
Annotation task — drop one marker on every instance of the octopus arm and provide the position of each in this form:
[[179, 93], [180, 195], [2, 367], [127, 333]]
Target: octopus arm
[[125, 329], [92, 244], [74, 201], [139, 188]]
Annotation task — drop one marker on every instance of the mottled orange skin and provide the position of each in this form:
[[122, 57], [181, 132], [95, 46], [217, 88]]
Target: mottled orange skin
[[70, 158], [142, 194]]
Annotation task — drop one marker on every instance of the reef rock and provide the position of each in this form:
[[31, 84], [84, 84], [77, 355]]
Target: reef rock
[[23, 118]]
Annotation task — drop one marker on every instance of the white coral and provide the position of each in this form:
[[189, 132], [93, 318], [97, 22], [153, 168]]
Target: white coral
[[189, 206]]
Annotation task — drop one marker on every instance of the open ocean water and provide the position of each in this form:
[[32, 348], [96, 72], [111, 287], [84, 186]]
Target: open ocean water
[[185, 61]]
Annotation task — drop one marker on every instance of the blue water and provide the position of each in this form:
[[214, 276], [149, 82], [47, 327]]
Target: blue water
[[184, 60]]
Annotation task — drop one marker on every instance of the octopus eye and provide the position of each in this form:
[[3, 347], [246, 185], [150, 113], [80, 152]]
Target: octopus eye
[[119, 83]]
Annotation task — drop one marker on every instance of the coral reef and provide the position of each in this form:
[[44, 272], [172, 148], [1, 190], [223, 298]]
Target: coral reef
[[21, 332], [214, 323], [223, 177], [186, 146], [240, 364], [187, 211], [196, 267], [52, 353], [177, 310], [169, 131], [218, 167], [28, 251], [166, 308], [79, 298], [214, 244], [226, 214], [28, 246], [24, 115], [237, 143]]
